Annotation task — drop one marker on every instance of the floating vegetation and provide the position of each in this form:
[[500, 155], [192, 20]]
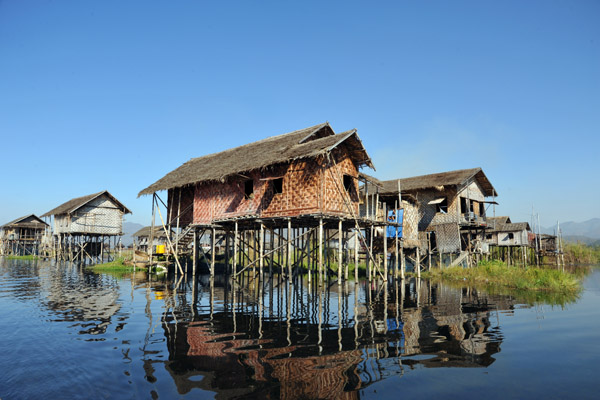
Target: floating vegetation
[[498, 274]]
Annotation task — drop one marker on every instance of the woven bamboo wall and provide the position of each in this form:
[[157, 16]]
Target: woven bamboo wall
[[447, 237], [309, 186], [100, 216]]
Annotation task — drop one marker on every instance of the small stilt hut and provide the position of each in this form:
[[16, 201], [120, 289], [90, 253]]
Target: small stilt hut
[[84, 226], [23, 236]]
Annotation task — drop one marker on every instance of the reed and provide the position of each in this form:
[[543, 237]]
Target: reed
[[497, 273]]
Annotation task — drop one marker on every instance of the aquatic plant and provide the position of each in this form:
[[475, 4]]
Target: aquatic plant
[[497, 273]]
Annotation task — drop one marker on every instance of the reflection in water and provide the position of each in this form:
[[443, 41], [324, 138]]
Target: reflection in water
[[291, 341], [234, 338]]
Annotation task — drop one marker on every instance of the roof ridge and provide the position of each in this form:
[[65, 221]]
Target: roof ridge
[[313, 129]]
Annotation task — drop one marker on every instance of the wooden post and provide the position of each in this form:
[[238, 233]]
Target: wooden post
[[370, 267], [385, 252], [428, 251], [151, 237], [320, 256], [195, 254], [418, 263], [235, 248], [356, 235], [289, 248], [340, 252], [212, 252], [261, 249]]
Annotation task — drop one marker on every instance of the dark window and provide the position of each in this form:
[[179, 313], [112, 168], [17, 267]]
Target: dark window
[[278, 185], [488, 236], [249, 187], [463, 205], [511, 235], [348, 183], [442, 207]]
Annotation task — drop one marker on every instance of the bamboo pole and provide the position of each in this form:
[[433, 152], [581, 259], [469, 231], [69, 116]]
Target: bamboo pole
[[340, 252], [261, 247], [289, 248], [212, 252], [355, 257], [320, 247]]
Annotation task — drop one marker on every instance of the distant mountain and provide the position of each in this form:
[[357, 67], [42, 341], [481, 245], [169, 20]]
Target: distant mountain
[[580, 239], [585, 232], [129, 228]]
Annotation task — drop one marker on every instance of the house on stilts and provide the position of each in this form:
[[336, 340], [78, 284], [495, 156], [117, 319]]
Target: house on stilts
[[24, 236], [508, 241], [275, 203], [83, 227], [448, 208]]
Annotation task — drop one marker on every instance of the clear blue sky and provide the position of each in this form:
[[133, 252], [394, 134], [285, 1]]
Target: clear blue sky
[[113, 95]]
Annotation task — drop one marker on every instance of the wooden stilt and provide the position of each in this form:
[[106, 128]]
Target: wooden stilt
[[235, 248], [320, 246], [212, 252], [289, 248], [340, 266], [261, 249], [418, 263], [356, 235]]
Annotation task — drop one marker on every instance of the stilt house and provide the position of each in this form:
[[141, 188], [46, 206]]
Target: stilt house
[[88, 220], [500, 231], [450, 206], [23, 236], [298, 181]]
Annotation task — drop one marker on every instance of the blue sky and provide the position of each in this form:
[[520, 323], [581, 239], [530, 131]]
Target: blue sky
[[113, 95]]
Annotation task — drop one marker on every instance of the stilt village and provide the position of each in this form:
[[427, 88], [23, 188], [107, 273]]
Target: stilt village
[[293, 204]]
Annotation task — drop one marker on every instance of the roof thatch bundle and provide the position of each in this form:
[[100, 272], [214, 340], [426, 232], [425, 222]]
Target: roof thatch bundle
[[436, 181], [304, 143], [78, 202]]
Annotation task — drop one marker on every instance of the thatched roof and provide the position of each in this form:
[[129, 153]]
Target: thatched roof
[[28, 221], [494, 221], [159, 232], [78, 202], [508, 227], [304, 143], [451, 178]]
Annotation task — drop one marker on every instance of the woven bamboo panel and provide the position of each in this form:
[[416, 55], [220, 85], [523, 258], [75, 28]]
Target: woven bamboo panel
[[447, 238], [100, 216], [309, 186]]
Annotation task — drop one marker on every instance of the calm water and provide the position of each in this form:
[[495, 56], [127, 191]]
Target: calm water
[[69, 333]]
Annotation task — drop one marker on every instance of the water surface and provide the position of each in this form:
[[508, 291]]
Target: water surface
[[70, 333]]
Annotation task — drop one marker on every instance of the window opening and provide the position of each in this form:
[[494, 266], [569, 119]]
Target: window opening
[[348, 183], [463, 205], [278, 185], [249, 188], [442, 207]]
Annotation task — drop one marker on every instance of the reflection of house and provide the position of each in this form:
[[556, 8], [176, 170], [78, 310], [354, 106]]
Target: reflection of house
[[22, 236], [237, 354]]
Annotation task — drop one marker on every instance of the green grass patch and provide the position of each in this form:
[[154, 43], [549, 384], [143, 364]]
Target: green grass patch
[[498, 274], [29, 257], [119, 264]]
